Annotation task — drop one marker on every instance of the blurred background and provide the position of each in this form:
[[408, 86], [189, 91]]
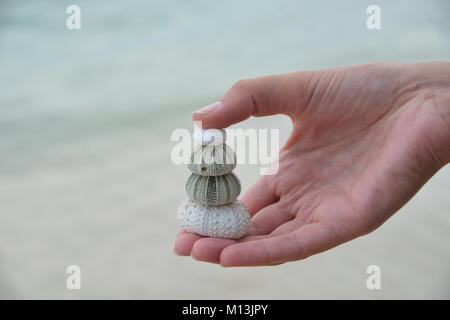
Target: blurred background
[[85, 123]]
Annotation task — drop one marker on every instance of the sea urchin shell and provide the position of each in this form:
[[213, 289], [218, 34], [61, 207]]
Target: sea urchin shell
[[227, 221], [212, 160], [209, 136], [213, 190]]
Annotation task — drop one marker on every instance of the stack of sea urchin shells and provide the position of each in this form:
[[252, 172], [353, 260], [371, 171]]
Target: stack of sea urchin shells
[[212, 209]]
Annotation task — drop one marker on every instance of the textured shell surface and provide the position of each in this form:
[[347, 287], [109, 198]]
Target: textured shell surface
[[212, 160], [209, 136], [227, 221], [213, 190]]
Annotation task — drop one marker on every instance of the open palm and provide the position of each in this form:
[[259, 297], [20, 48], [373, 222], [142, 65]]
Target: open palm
[[364, 140]]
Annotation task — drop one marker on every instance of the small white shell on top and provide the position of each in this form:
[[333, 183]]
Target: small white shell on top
[[227, 221], [209, 136]]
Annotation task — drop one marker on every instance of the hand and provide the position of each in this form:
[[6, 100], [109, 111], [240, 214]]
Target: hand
[[364, 140]]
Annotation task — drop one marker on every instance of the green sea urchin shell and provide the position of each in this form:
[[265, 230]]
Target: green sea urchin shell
[[213, 190], [212, 160]]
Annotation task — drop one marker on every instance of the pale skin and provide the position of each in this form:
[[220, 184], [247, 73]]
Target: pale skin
[[364, 140]]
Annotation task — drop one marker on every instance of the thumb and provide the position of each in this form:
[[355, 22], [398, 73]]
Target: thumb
[[258, 97]]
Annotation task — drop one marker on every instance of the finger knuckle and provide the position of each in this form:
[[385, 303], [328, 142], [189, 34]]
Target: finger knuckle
[[243, 85]]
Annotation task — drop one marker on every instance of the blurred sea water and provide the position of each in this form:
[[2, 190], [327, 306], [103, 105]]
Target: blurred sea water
[[85, 123], [132, 64]]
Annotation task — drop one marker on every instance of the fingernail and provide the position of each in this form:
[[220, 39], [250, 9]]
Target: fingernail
[[209, 108]]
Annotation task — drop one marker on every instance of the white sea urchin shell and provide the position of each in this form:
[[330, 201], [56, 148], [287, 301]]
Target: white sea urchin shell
[[209, 136], [227, 221]]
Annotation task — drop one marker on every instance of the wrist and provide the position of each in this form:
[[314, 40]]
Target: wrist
[[442, 102], [436, 77]]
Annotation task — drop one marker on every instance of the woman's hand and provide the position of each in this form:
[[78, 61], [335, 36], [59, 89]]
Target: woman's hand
[[364, 140]]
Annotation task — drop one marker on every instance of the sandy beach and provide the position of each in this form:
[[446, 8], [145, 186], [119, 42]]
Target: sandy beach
[[111, 214]]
